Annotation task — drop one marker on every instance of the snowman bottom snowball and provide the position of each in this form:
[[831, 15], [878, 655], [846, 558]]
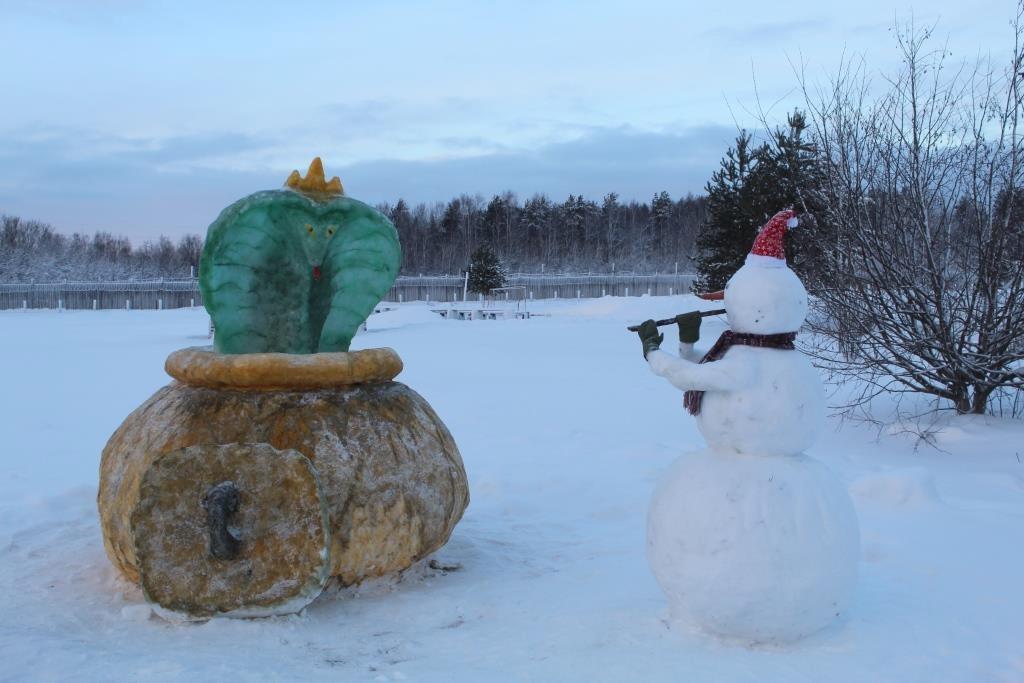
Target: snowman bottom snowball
[[753, 548]]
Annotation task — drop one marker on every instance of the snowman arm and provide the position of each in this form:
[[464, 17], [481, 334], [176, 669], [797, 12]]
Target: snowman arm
[[722, 375], [687, 352]]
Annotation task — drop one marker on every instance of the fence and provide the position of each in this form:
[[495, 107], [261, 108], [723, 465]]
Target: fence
[[151, 294], [450, 287], [157, 294]]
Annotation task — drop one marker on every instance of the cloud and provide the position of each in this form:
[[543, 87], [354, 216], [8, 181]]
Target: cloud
[[45, 160], [635, 164], [143, 188], [80, 181], [382, 115]]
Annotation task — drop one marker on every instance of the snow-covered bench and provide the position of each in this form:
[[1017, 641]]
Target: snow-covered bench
[[480, 313]]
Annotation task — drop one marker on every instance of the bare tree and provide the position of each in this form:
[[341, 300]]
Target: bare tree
[[922, 291]]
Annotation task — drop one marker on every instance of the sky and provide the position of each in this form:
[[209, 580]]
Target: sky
[[147, 118]]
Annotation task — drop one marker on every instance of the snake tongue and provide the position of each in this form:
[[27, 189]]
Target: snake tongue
[[316, 272]]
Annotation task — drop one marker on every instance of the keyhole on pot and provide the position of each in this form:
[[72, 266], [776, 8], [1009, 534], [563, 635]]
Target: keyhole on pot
[[221, 503]]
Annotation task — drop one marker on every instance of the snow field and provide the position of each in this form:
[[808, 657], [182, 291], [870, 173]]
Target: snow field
[[564, 433]]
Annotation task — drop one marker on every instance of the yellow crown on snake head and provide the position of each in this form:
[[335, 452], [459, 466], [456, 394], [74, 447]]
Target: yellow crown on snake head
[[314, 185]]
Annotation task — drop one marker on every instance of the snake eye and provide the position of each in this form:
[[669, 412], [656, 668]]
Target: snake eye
[[330, 231], [309, 229]]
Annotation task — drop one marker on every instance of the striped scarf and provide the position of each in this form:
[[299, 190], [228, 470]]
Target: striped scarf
[[784, 340]]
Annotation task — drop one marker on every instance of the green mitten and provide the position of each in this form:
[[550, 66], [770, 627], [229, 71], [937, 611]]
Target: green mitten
[[649, 336], [689, 327]]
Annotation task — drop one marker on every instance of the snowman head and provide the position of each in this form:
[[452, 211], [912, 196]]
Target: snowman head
[[765, 296]]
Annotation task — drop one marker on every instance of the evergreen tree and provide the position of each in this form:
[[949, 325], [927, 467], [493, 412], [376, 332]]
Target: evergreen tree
[[727, 233], [748, 189], [498, 219], [450, 234], [402, 221], [611, 236], [574, 214], [485, 270], [661, 220], [802, 179], [536, 223]]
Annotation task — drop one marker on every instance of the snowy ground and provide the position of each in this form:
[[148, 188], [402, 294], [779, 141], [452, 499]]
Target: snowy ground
[[564, 432]]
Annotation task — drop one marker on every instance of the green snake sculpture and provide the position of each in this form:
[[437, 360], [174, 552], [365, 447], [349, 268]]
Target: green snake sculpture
[[296, 270]]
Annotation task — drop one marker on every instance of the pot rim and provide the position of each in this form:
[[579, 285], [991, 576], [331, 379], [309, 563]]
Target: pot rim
[[202, 366]]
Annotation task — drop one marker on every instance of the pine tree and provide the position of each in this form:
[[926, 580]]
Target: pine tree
[[611, 235], [485, 270], [536, 224], [748, 189], [661, 220], [727, 233], [497, 220], [448, 240], [802, 178], [402, 221]]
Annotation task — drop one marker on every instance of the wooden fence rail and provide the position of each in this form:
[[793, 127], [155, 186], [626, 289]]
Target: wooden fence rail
[[158, 294]]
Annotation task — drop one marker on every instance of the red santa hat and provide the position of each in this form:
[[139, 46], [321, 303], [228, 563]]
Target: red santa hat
[[768, 249]]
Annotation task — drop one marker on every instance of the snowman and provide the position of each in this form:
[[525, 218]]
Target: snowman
[[752, 539]]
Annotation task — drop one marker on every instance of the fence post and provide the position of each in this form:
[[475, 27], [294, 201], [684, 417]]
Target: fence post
[[627, 291], [60, 304], [531, 293], [24, 304], [670, 291], [159, 304], [648, 291], [127, 304], [578, 294], [192, 303], [604, 292], [94, 304], [556, 293]]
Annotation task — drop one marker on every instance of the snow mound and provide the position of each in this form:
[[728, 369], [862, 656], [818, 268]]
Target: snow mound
[[910, 486], [593, 308]]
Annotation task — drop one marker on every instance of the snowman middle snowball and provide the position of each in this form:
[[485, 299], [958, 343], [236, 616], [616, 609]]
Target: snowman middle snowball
[[752, 539]]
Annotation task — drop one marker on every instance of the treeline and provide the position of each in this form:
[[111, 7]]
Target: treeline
[[577, 235], [31, 251]]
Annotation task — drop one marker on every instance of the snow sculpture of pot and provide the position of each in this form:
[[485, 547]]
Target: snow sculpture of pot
[[240, 488]]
